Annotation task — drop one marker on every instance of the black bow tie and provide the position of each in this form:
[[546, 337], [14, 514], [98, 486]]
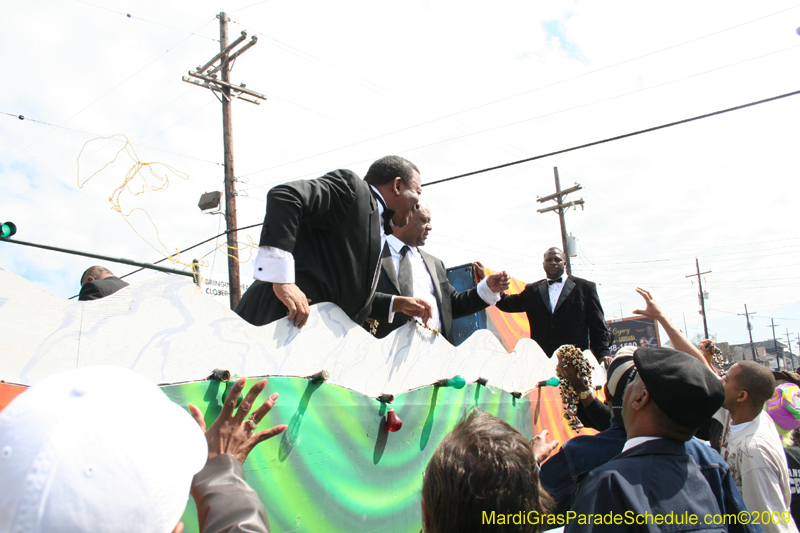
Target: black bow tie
[[387, 220], [551, 281], [387, 214]]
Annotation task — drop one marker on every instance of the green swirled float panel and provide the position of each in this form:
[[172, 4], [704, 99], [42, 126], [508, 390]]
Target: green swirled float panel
[[337, 468]]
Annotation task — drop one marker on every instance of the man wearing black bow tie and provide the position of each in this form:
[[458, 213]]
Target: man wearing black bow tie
[[322, 238], [562, 309]]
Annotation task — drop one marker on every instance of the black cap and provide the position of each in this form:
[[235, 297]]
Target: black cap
[[681, 386]]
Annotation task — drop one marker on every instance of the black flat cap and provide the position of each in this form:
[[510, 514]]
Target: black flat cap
[[680, 385]]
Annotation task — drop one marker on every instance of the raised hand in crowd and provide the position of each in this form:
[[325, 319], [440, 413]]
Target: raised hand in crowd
[[225, 502], [678, 339], [541, 448], [231, 433]]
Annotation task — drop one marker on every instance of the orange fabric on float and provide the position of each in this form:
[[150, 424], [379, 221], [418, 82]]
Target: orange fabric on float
[[510, 328]]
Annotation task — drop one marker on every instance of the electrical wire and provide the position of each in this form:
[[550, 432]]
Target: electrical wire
[[128, 15], [616, 138], [138, 145], [527, 91], [106, 93]]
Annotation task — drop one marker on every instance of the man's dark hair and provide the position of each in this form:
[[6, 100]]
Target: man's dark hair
[[94, 272], [388, 168], [553, 249], [483, 466], [757, 380]]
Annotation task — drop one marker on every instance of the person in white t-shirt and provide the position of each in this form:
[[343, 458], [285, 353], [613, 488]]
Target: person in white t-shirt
[[751, 445]]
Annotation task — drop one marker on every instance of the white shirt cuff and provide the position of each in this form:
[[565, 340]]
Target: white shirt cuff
[[486, 293], [274, 265], [391, 313]]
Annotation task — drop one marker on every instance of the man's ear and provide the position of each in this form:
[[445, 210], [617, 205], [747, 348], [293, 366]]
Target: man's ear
[[642, 400], [178, 528], [743, 396], [397, 185]]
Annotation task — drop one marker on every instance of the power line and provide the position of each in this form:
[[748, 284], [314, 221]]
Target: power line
[[618, 137], [128, 15], [251, 5], [535, 90], [106, 93], [22, 117], [193, 247]]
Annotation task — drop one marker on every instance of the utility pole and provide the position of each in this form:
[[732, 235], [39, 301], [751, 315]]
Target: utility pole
[[791, 355], [561, 207], [797, 338], [775, 340], [702, 295], [206, 76], [749, 330]]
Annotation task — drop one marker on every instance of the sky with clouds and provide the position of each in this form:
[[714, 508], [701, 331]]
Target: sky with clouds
[[453, 86]]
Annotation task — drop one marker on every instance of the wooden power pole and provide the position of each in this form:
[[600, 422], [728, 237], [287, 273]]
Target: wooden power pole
[[702, 295], [749, 330], [561, 207], [206, 76], [775, 340]]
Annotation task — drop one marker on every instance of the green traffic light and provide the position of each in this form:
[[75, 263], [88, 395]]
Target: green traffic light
[[7, 229]]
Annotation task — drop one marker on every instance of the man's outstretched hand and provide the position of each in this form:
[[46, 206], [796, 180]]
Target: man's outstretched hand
[[232, 433], [541, 448], [498, 282]]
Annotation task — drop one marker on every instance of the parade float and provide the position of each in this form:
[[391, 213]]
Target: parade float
[[364, 414]]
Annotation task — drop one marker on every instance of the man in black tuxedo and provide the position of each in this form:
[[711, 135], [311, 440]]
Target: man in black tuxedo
[[98, 282], [407, 271], [322, 239], [562, 309]]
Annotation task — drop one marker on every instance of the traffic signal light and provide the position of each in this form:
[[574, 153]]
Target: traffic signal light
[[7, 229]]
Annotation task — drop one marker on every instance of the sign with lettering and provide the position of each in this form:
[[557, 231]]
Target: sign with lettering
[[633, 331]]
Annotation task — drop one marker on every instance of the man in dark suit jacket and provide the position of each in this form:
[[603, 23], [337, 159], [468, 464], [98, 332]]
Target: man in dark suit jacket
[[322, 239], [562, 311], [388, 306], [98, 282]]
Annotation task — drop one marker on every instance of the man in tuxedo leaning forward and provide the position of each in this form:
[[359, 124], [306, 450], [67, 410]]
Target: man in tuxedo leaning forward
[[562, 309], [322, 238], [408, 272]]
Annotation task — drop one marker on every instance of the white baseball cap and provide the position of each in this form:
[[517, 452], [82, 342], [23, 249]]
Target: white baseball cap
[[93, 450]]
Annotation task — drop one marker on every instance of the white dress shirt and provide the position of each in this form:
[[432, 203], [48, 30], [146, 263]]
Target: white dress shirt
[[554, 291], [423, 281], [277, 266], [636, 441]]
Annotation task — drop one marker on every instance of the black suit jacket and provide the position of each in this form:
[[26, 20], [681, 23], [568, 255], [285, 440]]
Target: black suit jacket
[[100, 288], [331, 227], [578, 318], [451, 304]]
